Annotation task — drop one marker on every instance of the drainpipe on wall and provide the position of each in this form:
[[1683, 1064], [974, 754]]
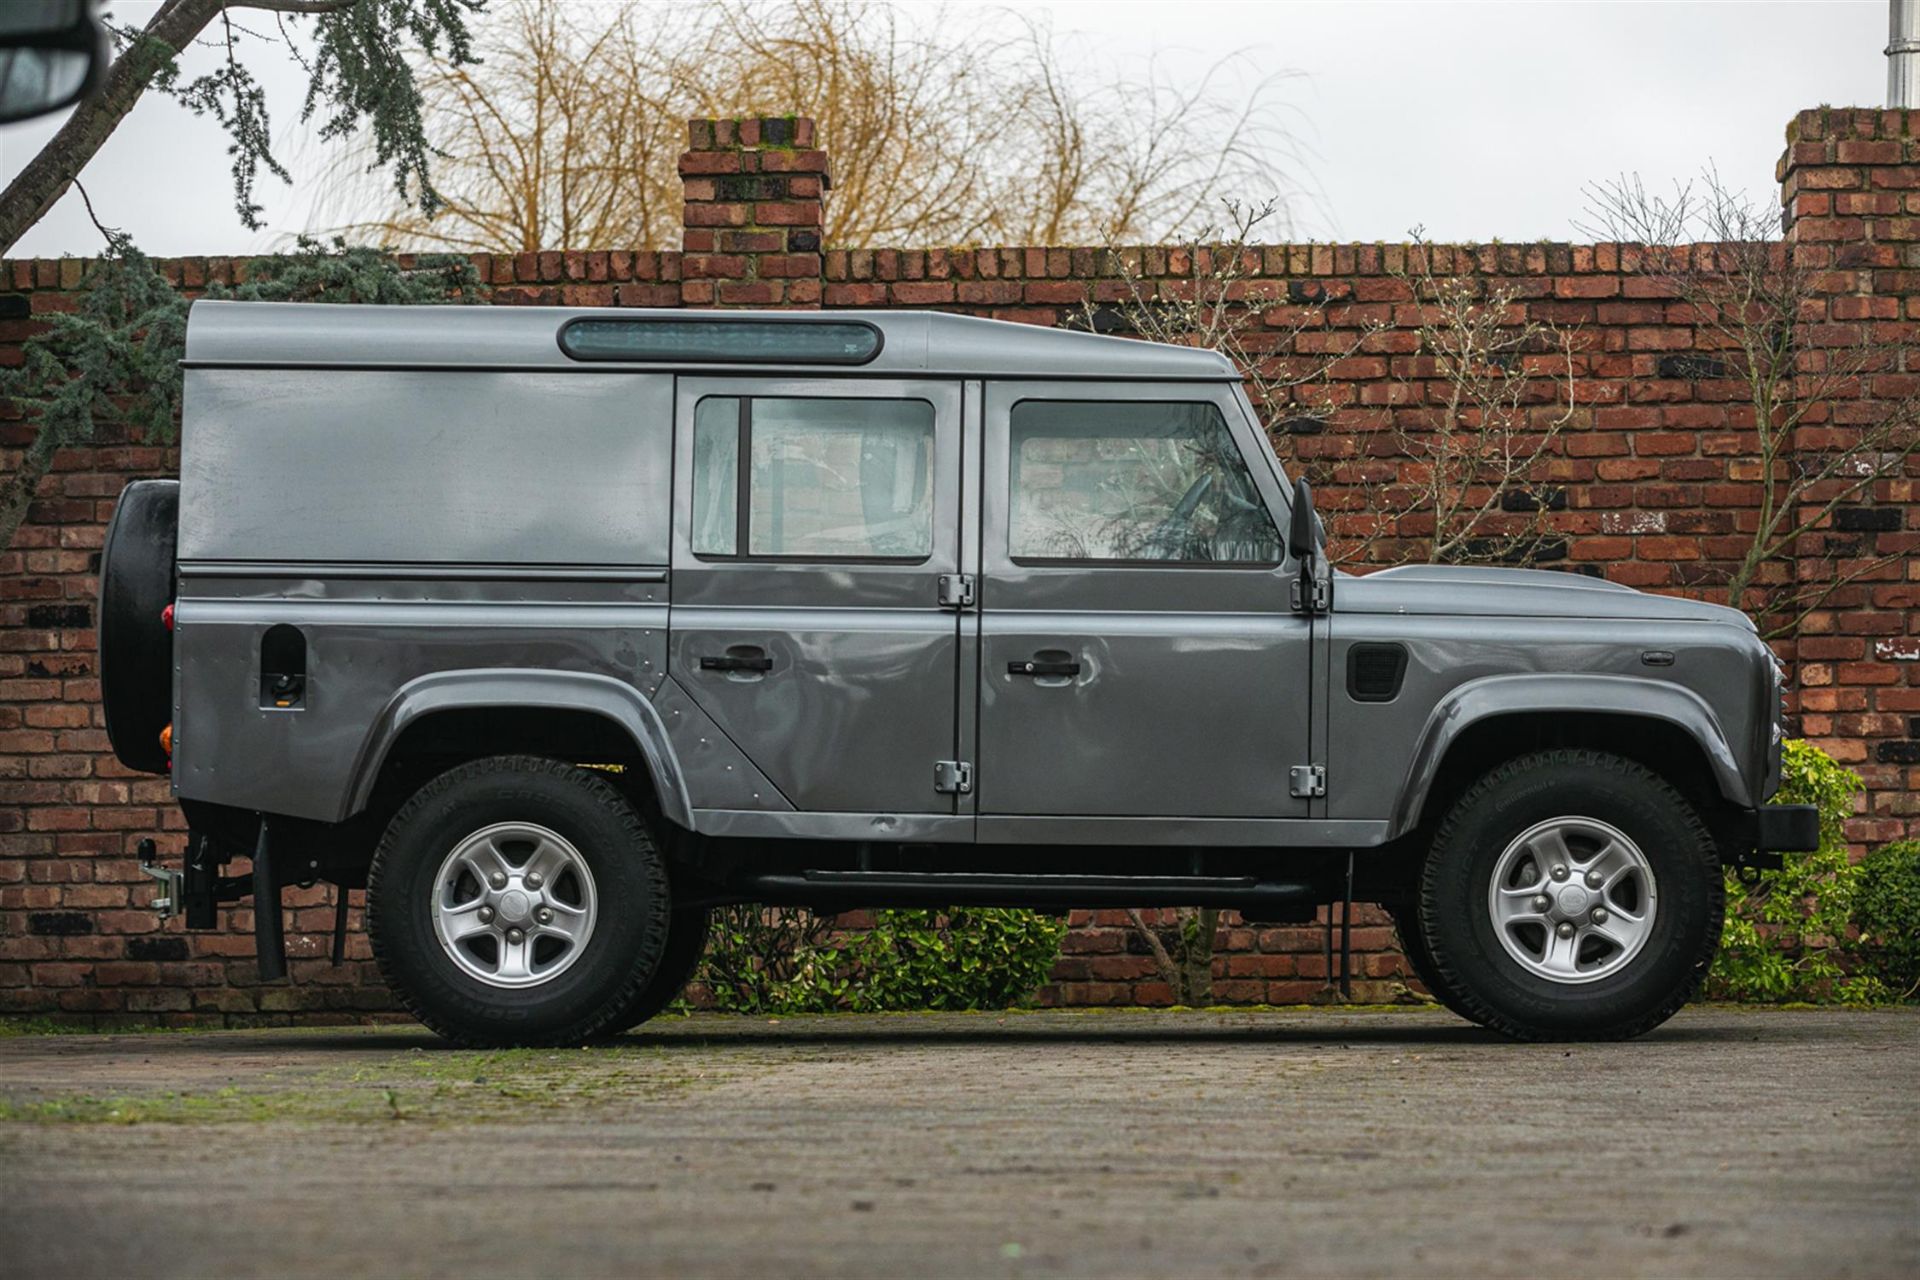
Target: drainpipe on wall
[[1903, 53]]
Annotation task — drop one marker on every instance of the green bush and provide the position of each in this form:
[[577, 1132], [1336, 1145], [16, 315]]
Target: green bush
[[1886, 910], [970, 958], [785, 961], [771, 960], [1786, 930]]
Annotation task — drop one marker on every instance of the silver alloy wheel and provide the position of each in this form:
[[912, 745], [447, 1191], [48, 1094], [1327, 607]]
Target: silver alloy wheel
[[514, 905], [1573, 900]]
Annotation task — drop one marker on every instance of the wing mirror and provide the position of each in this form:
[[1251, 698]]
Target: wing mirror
[[1312, 590], [52, 53], [1303, 533]]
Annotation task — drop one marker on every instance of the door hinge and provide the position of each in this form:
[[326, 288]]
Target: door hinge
[[1305, 781], [956, 590], [1317, 596], [953, 777]]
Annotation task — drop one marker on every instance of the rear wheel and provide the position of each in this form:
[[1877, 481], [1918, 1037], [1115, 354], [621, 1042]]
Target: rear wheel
[[1571, 895], [517, 901]]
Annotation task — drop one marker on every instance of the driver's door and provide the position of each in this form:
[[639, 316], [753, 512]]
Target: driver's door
[[1139, 655]]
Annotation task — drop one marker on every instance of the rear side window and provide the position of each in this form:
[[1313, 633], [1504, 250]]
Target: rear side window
[[813, 479], [1132, 483]]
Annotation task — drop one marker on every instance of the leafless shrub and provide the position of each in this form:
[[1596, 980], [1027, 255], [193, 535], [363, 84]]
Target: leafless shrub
[[1832, 391], [1499, 388]]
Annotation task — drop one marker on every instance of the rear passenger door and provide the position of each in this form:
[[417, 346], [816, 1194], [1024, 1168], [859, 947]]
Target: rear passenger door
[[1139, 656], [814, 520]]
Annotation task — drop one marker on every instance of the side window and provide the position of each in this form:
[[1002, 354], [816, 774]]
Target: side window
[[1132, 482], [716, 476], [823, 479]]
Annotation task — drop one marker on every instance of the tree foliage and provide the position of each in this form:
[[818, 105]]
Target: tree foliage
[[567, 132], [358, 76], [360, 84]]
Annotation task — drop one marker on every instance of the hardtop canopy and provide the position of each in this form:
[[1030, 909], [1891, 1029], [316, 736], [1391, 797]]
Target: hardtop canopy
[[912, 343]]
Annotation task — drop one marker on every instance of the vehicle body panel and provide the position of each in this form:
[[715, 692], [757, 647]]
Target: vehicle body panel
[[291, 335], [346, 465], [1191, 697], [453, 514], [1560, 645], [367, 641], [859, 701]]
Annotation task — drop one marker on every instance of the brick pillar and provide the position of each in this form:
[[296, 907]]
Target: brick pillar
[[1850, 196], [753, 213], [1850, 180]]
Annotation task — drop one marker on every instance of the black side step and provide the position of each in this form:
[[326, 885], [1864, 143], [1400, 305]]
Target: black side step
[[843, 889]]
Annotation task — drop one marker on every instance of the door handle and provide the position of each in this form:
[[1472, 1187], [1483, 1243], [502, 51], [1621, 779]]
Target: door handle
[[735, 662], [1036, 667]]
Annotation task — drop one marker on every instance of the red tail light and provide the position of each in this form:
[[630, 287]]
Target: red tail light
[[166, 617]]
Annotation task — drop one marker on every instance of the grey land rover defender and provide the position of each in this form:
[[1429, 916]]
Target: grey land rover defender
[[555, 629]]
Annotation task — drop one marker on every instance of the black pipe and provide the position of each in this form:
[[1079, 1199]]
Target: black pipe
[[339, 925], [200, 886], [1346, 936], [1326, 950], [269, 936]]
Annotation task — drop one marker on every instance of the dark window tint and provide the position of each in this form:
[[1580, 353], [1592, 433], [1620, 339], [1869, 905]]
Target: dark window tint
[[1132, 482], [721, 341]]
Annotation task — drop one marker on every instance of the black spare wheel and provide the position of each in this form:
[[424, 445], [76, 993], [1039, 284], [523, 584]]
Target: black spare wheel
[[136, 644]]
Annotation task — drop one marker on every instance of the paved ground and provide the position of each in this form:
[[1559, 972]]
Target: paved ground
[[1728, 1143]]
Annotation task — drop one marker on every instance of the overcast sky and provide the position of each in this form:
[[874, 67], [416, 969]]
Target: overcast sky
[[1475, 121]]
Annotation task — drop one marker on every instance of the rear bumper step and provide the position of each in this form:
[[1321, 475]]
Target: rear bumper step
[[844, 889]]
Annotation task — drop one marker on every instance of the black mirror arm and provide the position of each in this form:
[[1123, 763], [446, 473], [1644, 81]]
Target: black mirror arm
[[1310, 589]]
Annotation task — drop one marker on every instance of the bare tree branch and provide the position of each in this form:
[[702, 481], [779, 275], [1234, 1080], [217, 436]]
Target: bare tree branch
[[568, 133], [1800, 354]]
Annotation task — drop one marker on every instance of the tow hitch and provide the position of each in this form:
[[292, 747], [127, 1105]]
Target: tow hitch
[[197, 890], [172, 884]]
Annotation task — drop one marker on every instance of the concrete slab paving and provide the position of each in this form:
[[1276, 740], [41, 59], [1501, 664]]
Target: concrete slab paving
[[1730, 1142]]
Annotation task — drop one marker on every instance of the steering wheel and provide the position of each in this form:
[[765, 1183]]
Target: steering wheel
[[1163, 534]]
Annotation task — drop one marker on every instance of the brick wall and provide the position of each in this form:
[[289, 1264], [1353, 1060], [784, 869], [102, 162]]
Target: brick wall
[[1656, 469]]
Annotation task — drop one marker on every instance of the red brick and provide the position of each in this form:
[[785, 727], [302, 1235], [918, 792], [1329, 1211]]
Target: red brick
[[787, 213]]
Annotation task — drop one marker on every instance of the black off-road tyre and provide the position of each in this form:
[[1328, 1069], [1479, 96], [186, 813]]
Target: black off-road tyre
[[686, 946], [136, 649], [1413, 945], [1496, 990], [616, 962]]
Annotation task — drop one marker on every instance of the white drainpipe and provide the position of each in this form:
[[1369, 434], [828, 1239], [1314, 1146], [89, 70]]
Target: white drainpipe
[[1903, 53]]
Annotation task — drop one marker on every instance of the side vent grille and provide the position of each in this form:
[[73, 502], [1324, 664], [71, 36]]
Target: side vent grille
[[1374, 671]]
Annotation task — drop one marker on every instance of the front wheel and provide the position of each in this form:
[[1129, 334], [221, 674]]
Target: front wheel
[[517, 901], [686, 947], [1571, 894], [1413, 945]]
